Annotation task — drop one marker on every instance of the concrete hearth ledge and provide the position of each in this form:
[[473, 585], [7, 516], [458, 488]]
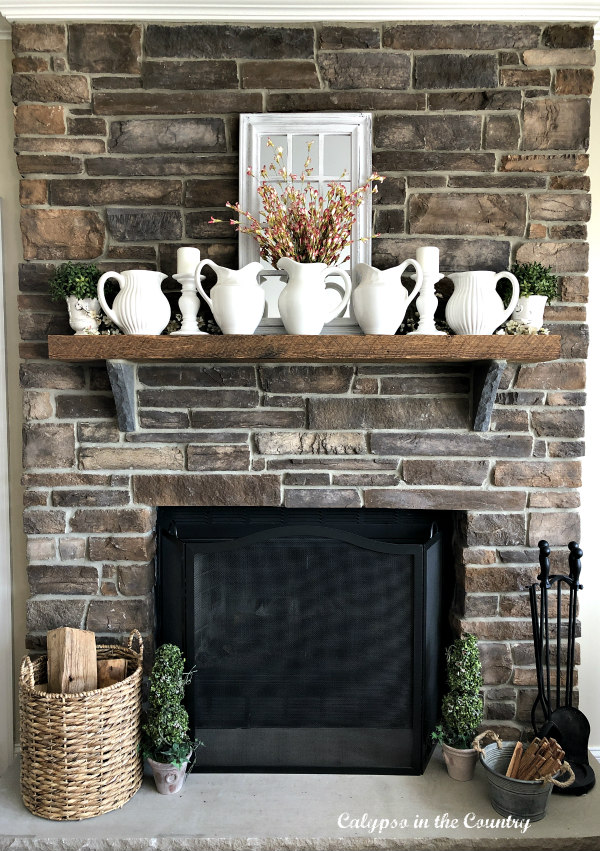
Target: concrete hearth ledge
[[285, 812]]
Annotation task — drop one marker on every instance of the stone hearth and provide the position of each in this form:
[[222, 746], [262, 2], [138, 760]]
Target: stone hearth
[[267, 812], [127, 144]]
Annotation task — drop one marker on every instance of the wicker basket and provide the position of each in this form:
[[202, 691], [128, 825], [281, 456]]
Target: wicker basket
[[80, 752]]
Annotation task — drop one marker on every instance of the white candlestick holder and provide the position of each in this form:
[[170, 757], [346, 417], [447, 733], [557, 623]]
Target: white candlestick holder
[[189, 305], [427, 305]]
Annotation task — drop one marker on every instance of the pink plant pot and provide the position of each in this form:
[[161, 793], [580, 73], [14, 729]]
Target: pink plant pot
[[168, 778]]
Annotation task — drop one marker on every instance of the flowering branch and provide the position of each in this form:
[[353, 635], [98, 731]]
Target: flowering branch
[[298, 221]]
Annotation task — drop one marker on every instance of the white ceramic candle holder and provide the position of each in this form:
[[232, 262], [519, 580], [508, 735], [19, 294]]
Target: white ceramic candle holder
[[429, 258], [427, 305], [189, 305]]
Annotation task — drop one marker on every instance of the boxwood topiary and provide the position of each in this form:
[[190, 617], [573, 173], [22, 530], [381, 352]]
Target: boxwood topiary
[[165, 734], [77, 279], [462, 706], [535, 279]]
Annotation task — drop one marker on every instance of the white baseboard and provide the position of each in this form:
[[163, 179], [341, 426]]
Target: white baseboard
[[596, 753]]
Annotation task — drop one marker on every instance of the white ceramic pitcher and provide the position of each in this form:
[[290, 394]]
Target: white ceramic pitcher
[[140, 306], [237, 300], [303, 305], [475, 307], [380, 300]]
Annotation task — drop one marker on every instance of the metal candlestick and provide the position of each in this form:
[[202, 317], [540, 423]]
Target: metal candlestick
[[189, 305], [427, 304]]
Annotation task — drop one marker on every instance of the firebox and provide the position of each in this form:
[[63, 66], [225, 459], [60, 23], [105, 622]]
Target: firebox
[[316, 635]]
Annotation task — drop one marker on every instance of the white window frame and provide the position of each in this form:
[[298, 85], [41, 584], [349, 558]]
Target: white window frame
[[254, 126]]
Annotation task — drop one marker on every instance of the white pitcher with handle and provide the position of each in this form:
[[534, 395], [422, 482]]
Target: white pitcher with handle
[[303, 304], [237, 300], [140, 306], [380, 300], [475, 307]]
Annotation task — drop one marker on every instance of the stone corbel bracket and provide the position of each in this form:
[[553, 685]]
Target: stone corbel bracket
[[486, 380], [121, 374], [485, 383]]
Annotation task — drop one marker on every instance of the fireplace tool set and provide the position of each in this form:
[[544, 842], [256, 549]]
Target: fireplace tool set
[[561, 720]]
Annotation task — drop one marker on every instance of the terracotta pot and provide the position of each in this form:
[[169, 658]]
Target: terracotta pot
[[168, 778], [460, 762]]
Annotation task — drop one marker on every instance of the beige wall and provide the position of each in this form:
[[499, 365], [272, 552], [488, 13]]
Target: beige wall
[[590, 576], [590, 599], [11, 239]]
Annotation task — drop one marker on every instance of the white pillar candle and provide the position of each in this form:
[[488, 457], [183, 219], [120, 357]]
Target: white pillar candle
[[429, 258], [187, 260]]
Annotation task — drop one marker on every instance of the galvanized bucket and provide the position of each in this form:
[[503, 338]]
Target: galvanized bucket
[[527, 799]]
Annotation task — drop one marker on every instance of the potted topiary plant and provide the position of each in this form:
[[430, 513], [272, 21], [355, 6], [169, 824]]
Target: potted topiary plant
[[537, 286], [462, 708], [77, 283], [166, 742]]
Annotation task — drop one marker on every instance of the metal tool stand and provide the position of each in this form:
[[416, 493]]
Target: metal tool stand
[[562, 721]]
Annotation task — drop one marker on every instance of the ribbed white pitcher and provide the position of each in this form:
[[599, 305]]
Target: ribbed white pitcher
[[140, 306], [475, 307]]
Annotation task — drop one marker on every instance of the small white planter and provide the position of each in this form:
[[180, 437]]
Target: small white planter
[[84, 314], [529, 310]]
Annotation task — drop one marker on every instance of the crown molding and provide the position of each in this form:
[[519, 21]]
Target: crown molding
[[296, 11], [299, 10]]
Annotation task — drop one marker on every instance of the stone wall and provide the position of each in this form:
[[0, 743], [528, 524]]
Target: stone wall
[[126, 142]]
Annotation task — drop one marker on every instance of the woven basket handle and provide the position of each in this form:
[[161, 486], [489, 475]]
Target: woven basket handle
[[476, 743], [565, 783], [136, 634], [27, 676]]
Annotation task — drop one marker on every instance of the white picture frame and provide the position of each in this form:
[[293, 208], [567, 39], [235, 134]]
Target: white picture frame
[[286, 127]]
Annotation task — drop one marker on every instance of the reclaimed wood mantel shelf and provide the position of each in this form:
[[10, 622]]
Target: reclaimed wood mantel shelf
[[489, 355], [288, 348]]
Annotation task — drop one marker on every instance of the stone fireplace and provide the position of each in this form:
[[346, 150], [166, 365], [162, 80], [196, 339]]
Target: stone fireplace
[[126, 143]]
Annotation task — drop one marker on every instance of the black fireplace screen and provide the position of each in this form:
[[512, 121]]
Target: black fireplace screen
[[315, 638]]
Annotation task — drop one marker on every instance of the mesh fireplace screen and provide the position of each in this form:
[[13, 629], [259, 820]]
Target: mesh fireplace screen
[[309, 642], [303, 633]]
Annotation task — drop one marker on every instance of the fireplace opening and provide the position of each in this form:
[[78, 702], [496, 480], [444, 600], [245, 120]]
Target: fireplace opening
[[316, 635]]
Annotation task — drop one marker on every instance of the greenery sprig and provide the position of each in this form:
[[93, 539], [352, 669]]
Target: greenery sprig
[[165, 734], [462, 706], [77, 279], [535, 279]]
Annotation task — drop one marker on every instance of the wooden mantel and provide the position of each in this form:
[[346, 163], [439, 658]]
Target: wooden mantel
[[489, 355], [288, 348]]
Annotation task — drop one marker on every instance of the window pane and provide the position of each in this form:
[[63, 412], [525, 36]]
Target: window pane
[[337, 155], [300, 152], [267, 153]]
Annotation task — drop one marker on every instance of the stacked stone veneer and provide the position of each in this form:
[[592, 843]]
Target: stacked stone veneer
[[127, 144]]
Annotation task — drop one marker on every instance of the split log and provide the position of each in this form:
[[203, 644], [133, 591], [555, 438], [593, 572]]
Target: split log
[[71, 661], [515, 761], [111, 671]]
